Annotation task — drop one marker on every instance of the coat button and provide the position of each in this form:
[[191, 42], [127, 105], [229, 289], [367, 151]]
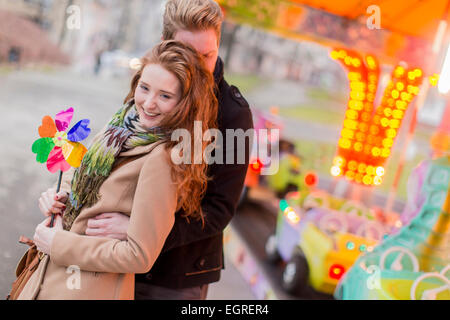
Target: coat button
[[148, 276], [201, 262]]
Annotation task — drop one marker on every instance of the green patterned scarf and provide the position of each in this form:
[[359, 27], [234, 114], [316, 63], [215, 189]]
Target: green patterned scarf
[[122, 133]]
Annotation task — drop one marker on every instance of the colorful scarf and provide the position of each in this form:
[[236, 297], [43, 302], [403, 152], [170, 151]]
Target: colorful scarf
[[122, 133]]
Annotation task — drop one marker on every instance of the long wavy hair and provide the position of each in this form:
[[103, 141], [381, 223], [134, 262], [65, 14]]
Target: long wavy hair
[[198, 103]]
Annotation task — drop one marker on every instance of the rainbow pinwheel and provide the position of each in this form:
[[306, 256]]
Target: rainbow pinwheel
[[60, 149]]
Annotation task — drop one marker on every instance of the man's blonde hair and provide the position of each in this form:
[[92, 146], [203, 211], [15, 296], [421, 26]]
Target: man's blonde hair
[[191, 15]]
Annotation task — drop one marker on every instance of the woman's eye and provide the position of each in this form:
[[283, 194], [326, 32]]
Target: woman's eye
[[165, 96], [143, 87]]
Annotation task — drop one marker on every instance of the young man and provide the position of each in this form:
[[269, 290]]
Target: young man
[[192, 256]]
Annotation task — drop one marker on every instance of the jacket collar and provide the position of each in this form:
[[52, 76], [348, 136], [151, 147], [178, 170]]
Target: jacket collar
[[218, 71]]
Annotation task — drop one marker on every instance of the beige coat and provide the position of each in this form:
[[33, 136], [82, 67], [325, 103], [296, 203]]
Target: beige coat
[[141, 188]]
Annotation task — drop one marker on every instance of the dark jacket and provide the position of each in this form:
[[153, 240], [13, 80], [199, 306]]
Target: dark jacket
[[192, 255]]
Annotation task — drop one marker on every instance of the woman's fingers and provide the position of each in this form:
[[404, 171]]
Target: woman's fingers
[[94, 224], [61, 196]]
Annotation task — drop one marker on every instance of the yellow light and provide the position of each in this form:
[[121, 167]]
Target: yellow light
[[347, 60], [387, 112], [371, 62], [357, 95], [358, 146], [390, 102], [352, 165], [358, 177], [365, 116], [417, 73], [434, 79], [391, 133], [380, 171], [339, 161], [372, 87], [344, 143], [356, 62], [347, 133], [367, 180], [400, 86], [354, 76], [342, 53], [363, 126], [370, 170], [397, 114], [411, 75], [350, 124], [350, 175], [394, 123], [399, 71], [387, 143], [395, 94], [376, 151], [352, 114], [385, 153], [360, 136], [362, 168], [400, 104], [384, 122], [335, 171], [334, 55]]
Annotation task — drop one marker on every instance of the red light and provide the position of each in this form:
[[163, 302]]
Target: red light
[[256, 166], [311, 179], [336, 271]]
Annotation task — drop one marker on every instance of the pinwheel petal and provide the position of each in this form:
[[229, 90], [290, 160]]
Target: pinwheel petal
[[56, 161], [63, 118], [48, 127], [42, 148], [79, 131], [73, 152]]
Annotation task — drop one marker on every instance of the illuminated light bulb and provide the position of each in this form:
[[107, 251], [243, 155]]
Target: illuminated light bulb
[[411, 76], [368, 107], [374, 129], [334, 55], [293, 217], [342, 53], [347, 133], [395, 94], [350, 175], [385, 153], [358, 146], [387, 112], [400, 86], [418, 73], [356, 62], [363, 126], [399, 71], [387, 143], [370, 170], [371, 62], [384, 122], [394, 123], [400, 104], [367, 180], [391, 133], [360, 136], [362, 168], [397, 114], [358, 177], [351, 114], [380, 171], [354, 76], [372, 87], [434, 79], [335, 171], [376, 151], [376, 119], [377, 180], [365, 116], [339, 161], [370, 97], [347, 60], [352, 165]]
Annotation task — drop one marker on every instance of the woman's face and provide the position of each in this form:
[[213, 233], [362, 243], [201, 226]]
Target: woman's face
[[157, 93]]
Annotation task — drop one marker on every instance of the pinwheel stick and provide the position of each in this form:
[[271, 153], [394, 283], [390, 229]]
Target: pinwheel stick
[[58, 187]]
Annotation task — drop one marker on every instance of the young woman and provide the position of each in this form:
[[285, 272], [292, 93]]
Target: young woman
[[128, 169]]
